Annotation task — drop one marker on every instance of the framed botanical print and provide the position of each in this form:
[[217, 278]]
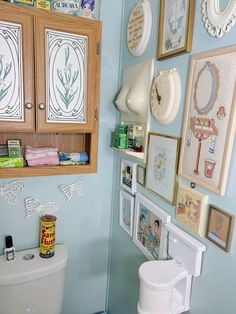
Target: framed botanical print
[[128, 176], [162, 164], [126, 211], [220, 228], [175, 27], [209, 121], [191, 208], [149, 234]]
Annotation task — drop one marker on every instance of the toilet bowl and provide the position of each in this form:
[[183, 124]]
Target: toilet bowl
[[31, 284], [165, 286]]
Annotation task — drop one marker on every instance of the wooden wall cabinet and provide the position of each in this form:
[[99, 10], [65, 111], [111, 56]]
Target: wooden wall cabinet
[[49, 84]]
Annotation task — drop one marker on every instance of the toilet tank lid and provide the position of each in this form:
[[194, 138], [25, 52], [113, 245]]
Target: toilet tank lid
[[20, 270]]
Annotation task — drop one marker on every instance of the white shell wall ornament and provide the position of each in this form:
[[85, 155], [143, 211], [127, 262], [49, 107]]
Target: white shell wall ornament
[[218, 22], [10, 191], [33, 207], [139, 27], [74, 188], [165, 96]]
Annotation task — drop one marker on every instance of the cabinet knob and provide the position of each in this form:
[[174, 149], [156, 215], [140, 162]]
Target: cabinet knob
[[42, 106], [28, 105]]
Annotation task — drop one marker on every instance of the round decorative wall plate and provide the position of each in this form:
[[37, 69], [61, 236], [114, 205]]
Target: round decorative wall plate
[[139, 27], [165, 96]]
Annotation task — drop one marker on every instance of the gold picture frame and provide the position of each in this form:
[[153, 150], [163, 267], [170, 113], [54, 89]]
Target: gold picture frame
[[162, 164], [220, 228], [175, 28]]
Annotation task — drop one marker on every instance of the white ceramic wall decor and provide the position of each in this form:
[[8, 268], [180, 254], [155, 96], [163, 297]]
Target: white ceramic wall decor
[[217, 22], [74, 188], [33, 207], [165, 96], [134, 98], [139, 27], [10, 191]]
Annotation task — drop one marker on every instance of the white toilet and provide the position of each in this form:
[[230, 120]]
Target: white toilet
[[165, 286], [31, 284]]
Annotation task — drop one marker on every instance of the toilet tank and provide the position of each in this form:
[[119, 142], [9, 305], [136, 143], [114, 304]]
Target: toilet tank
[[185, 249], [33, 285]]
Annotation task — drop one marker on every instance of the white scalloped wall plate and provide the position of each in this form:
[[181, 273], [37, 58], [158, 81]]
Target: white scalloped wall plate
[[218, 22], [165, 96], [139, 27]]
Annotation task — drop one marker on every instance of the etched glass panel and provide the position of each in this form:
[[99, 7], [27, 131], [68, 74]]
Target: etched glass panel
[[11, 79], [66, 77]]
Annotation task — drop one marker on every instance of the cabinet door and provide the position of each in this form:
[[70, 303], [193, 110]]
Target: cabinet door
[[67, 67], [16, 69]]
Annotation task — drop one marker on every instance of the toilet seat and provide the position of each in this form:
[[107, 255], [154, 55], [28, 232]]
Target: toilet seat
[[162, 274]]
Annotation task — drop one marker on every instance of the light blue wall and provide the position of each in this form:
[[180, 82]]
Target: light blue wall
[[214, 291], [84, 222]]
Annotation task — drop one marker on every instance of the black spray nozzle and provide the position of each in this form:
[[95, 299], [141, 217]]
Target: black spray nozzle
[[9, 241]]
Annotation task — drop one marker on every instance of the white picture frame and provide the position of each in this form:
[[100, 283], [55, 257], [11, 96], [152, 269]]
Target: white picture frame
[[162, 163], [126, 212], [149, 233], [217, 21], [128, 176]]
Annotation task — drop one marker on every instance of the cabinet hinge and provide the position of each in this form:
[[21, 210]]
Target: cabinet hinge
[[98, 50], [96, 114]]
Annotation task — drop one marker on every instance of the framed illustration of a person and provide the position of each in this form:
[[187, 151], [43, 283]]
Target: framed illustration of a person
[[88, 7]]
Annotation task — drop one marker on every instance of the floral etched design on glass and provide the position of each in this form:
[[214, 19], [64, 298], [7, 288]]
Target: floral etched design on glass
[[5, 69], [67, 77]]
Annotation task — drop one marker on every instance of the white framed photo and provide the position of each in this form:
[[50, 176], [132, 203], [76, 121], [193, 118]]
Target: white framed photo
[[162, 163], [149, 234], [126, 212], [128, 176]]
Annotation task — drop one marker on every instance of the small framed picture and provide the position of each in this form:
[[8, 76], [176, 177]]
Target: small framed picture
[[126, 211], [149, 234], [175, 27], [191, 208], [141, 175], [220, 228], [128, 176], [162, 162]]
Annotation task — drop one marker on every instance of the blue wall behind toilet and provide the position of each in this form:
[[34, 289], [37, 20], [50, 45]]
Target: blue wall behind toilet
[[214, 291], [84, 222]]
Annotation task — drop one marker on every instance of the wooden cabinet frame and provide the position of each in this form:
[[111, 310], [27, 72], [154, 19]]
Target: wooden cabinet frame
[[36, 132]]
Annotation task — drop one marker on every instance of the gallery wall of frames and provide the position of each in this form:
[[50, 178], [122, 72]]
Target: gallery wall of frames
[[181, 171]]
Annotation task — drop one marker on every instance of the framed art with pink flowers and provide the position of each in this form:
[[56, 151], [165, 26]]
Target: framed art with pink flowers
[[209, 122]]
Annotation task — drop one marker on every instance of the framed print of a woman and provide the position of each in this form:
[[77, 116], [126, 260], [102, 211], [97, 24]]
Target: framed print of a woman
[[175, 27]]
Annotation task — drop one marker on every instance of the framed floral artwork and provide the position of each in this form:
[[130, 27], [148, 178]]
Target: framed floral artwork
[[175, 27], [162, 162], [128, 176], [149, 234], [126, 211], [220, 228], [191, 208], [209, 121], [141, 172]]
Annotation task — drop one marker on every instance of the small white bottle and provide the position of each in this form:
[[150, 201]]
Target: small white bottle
[[10, 252]]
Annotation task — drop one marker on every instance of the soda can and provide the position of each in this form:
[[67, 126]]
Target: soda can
[[47, 236]]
